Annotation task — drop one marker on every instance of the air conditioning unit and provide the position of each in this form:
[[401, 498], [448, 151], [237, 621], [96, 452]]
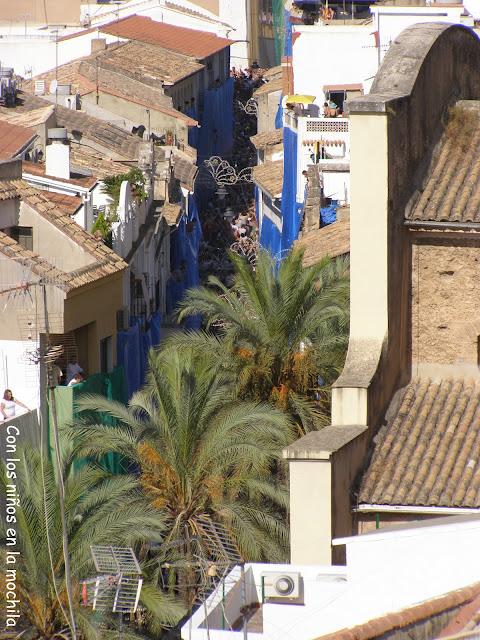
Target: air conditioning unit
[[284, 586]]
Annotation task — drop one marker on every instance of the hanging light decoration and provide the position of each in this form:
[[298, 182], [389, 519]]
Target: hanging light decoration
[[224, 174]]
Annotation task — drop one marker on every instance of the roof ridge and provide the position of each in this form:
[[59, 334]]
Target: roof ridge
[[407, 616], [70, 228]]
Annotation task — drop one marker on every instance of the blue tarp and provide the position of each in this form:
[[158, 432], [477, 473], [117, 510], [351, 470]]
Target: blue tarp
[[270, 238], [184, 248], [279, 114], [328, 215], [288, 35], [132, 351], [215, 136], [291, 210]]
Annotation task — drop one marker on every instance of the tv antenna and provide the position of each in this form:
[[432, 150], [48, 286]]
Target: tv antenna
[[117, 586]]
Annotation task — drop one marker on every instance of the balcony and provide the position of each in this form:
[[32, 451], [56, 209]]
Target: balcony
[[330, 138]]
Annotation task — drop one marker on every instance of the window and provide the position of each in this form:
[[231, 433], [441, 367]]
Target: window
[[24, 236], [106, 354]]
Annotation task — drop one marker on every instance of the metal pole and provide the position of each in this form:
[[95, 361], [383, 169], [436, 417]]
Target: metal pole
[[60, 485], [244, 603], [148, 131]]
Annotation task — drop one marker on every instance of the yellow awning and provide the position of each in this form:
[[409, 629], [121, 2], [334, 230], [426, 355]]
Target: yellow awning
[[298, 99]]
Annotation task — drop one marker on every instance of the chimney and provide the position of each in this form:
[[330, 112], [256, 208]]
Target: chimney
[[57, 154], [98, 44]]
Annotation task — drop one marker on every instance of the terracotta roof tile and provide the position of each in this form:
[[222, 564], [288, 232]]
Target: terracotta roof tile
[[171, 213], [88, 160], [269, 87], [10, 189], [13, 139], [198, 44], [68, 204], [38, 169], [87, 128], [106, 260], [451, 188], [429, 452], [145, 61], [273, 72], [14, 251], [407, 617], [267, 139], [332, 240], [269, 177], [31, 119]]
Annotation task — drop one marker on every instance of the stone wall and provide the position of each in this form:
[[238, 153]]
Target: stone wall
[[445, 312]]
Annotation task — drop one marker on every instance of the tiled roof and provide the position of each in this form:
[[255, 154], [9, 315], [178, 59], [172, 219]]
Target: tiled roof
[[84, 76], [428, 453], [451, 189], [15, 251], [65, 74], [31, 119], [86, 159], [148, 61], [269, 87], [273, 72], [185, 171], [67, 204], [332, 240], [13, 139], [103, 133], [106, 260], [85, 127], [38, 169], [406, 617], [198, 44], [10, 189], [269, 177], [267, 139], [171, 213]]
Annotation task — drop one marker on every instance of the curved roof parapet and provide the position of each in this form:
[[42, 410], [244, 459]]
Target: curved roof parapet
[[449, 51]]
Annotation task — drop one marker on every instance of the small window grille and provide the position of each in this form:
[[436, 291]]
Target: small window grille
[[333, 125]]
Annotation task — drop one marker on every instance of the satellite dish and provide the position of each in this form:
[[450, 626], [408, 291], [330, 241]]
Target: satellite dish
[[53, 86]]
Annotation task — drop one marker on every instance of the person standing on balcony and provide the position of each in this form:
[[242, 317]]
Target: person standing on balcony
[[8, 405], [72, 368]]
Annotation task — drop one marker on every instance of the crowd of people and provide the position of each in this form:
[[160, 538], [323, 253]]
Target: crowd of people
[[228, 220]]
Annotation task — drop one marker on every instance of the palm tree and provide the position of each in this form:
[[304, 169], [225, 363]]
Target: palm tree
[[204, 457], [100, 509], [282, 329]]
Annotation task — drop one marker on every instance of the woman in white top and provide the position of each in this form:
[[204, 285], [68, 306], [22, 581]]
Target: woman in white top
[[7, 405]]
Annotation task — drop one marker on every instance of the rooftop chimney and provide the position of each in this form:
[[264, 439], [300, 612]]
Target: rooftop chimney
[[57, 154], [98, 44]]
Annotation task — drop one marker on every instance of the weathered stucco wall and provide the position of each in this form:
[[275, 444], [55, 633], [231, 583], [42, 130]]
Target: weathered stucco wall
[[96, 307], [445, 320], [159, 122]]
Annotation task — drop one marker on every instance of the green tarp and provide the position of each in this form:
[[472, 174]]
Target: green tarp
[[278, 10], [111, 385]]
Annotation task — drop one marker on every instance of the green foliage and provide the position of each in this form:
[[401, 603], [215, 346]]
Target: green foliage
[[112, 186], [277, 330], [202, 453], [100, 509]]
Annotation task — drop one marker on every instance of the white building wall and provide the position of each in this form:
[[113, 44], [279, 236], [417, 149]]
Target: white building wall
[[326, 55], [386, 571], [234, 13], [391, 21]]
